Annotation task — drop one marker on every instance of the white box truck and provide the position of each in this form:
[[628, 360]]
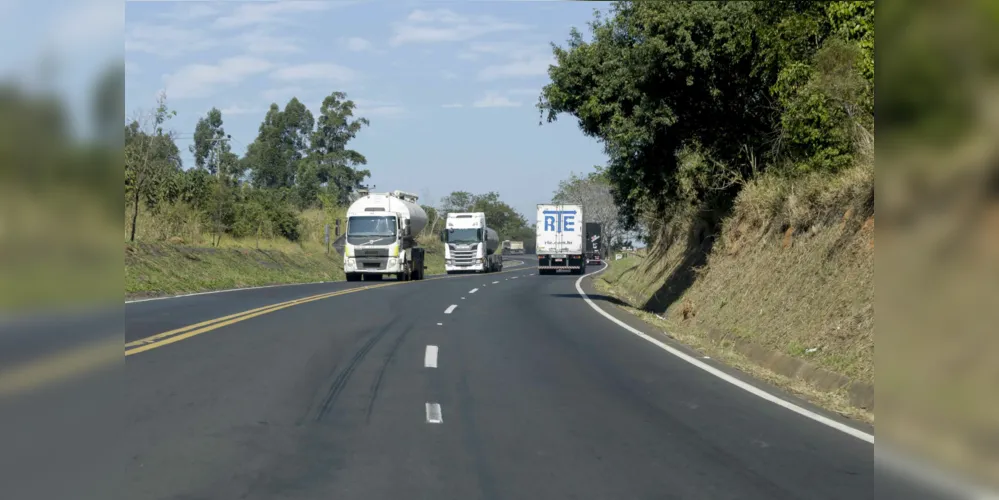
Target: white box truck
[[469, 244], [560, 239], [381, 237]]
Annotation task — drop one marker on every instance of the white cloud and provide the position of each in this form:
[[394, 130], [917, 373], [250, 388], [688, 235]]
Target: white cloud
[[358, 44], [368, 108], [190, 11], [166, 40], [443, 25], [315, 71], [86, 24], [520, 68], [259, 42], [521, 60], [495, 100], [258, 13], [282, 94], [202, 80], [453, 105], [242, 110]]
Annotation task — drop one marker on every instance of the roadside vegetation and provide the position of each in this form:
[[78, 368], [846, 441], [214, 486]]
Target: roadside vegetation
[[740, 138], [260, 218]]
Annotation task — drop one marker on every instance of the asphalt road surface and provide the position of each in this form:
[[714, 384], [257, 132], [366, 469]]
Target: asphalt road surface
[[499, 386]]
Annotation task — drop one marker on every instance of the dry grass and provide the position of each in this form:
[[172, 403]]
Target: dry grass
[[693, 335], [174, 254], [792, 271]]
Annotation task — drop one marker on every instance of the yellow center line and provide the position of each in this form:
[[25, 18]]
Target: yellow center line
[[159, 336], [176, 335], [65, 364]]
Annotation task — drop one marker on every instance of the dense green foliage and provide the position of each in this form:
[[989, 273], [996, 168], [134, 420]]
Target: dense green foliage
[[691, 99], [297, 162], [507, 222]]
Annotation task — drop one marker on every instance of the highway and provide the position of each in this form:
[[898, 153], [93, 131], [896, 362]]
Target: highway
[[501, 386]]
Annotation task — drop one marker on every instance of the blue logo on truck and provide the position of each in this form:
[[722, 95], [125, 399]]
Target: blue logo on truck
[[560, 220]]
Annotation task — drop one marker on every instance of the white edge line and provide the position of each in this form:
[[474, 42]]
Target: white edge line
[[932, 477], [450, 309], [430, 357], [434, 415], [722, 375]]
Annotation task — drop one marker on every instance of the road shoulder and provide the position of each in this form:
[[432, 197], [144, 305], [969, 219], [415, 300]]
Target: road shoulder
[[620, 311]]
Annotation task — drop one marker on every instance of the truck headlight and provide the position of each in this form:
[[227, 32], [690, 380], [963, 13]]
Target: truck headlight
[[448, 261]]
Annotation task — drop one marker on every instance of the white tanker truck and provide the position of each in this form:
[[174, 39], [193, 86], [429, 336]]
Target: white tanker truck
[[381, 237], [470, 245]]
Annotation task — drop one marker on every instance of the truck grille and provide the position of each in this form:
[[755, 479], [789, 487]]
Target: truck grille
[[464, 256], [370, 252], [371, 263]]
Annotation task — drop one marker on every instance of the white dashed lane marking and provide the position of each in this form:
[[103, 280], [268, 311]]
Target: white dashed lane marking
[[474, 290], [495, 282], [434, 414], [450, 309], [430, 358]]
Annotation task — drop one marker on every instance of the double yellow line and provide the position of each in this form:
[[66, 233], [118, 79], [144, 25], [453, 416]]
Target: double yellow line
[[165, 338]]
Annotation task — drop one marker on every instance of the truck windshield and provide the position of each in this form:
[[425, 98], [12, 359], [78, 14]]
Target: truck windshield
[[368, 226], [469, 235]]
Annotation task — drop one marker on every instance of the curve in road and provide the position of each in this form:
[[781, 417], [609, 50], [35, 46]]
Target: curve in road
[[521, 390]]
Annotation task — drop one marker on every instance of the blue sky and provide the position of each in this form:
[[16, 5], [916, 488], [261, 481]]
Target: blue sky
[[449, 87]]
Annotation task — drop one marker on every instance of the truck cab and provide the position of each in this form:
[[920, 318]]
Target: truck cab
[[380, 239], [470, 245]]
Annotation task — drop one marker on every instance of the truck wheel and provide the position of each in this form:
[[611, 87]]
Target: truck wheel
[[353, 277]]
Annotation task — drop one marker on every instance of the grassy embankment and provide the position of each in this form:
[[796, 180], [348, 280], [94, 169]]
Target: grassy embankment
[[784, 292], [175, 255]]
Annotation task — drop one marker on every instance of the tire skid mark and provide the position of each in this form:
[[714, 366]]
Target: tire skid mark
[[341, 380], [377, 383]]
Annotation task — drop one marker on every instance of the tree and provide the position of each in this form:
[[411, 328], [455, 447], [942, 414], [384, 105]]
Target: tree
[[458, 201], [211, 148], [150, 156], [501, 217], [687, 96], [594, 192], [331, 164], [109, 104], [282, 142]]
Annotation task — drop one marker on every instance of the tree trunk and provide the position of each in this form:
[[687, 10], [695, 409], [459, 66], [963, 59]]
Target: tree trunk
[[135, 214]]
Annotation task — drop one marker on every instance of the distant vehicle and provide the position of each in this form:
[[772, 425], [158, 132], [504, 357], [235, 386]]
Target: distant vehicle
[[470, 245], [506, 246], [381, 237], [594, 242], [560, 239], [516, 248]]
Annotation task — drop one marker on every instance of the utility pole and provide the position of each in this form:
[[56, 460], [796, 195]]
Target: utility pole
[[220, 197], [216, 145]]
